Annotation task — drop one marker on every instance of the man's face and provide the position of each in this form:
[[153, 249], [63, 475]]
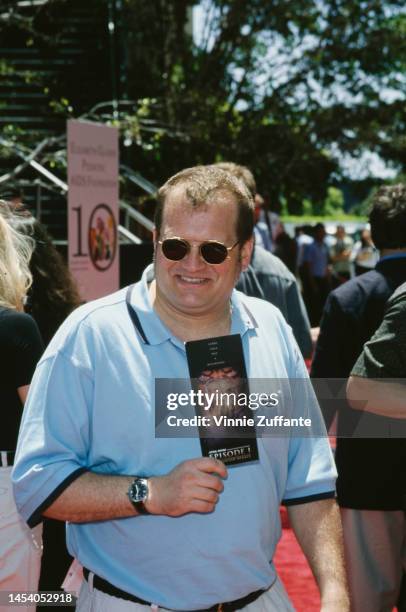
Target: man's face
[[191, 286], [320, 234], [340, 232]]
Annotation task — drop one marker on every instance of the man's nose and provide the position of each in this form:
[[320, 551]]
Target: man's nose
[[193, 259]]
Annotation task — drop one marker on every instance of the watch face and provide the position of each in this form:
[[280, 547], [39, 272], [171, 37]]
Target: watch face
[[139, 490]]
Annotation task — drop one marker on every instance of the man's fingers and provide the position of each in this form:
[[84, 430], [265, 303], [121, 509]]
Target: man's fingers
[[211, 482], [198, 505], [211, 466], [204, 494]]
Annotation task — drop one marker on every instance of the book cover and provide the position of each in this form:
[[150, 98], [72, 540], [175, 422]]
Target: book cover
[[217, 371]]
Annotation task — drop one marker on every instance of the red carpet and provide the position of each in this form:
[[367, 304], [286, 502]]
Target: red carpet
[[294, 571], [293, 568]]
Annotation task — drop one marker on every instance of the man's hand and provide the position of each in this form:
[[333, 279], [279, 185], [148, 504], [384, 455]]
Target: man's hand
[[192, 486]]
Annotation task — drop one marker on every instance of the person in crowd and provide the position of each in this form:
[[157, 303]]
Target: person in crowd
[[369, 486], [286, 249], [88, 454], [378, 385], [378, 379], [268, 278], [53, 295], [13, 197], [303, 237], [340, 255], [364, 254], [262, 233], [271, 219], [316, 274], [21, 347]]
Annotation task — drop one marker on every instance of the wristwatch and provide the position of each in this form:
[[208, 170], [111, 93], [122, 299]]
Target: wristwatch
[[138, 494]]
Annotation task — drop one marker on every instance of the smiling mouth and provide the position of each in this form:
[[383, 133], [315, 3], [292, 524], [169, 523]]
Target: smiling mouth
[[193, 281]]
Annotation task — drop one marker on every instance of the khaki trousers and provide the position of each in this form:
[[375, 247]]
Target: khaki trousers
[[274, 599]]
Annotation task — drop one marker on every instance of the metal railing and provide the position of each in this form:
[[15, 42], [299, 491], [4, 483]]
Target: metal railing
[[29, 160]]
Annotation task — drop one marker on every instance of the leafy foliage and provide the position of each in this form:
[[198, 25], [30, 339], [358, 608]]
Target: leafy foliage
[[284, 86]]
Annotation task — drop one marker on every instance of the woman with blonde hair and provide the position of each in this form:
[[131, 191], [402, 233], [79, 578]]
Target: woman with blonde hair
[[15, 254], [20, 349], [51, 298]]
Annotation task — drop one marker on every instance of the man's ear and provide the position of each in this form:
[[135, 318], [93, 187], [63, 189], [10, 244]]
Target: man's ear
[[155, 238], [246, 253]]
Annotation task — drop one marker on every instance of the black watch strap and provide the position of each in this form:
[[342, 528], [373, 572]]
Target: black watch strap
[[140, 507]]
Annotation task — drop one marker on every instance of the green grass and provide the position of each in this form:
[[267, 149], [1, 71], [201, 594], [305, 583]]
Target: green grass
[[311, 219]]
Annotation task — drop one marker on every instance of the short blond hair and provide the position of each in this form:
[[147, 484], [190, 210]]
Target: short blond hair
[[15, 254], [241, 172], [200, 183]]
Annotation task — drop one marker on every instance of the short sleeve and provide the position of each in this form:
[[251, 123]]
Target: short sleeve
[[384, 355]]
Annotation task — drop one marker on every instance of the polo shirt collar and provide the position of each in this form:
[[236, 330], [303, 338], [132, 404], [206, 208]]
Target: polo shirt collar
[[154, 329], [242, 318]]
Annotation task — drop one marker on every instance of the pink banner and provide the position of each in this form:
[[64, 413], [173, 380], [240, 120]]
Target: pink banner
[[93, 249]]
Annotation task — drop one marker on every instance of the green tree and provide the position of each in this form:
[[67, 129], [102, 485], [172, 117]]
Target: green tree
[[334, 202], [284, 86]]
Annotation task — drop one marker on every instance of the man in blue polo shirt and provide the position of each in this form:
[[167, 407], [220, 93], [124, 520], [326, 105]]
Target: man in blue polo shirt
[[153, 522]]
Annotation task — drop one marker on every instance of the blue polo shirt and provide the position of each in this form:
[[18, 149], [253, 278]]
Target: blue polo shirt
[[317, 255], [91, 407]]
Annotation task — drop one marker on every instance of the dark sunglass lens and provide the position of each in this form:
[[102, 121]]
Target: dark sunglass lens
[[174, 249], [213, 252]]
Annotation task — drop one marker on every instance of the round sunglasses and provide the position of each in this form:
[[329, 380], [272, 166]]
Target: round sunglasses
[[211, 251]]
